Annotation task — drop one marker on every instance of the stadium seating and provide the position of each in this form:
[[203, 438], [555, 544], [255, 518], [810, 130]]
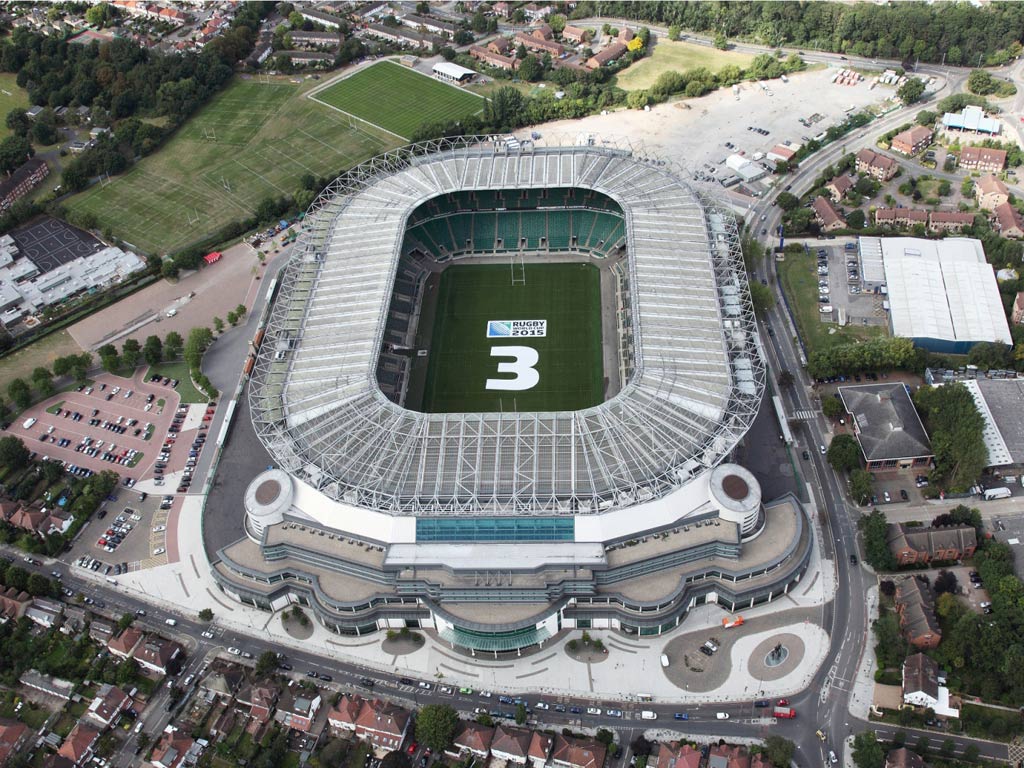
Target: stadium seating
[[484, 229]]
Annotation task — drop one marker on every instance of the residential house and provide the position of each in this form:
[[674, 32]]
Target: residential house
[[324, 40], [402, 36], [372, 11], [672, 754], [903, 758], [838, 187], [920, 680], [157, 654], [982, 159], [540, 749], [13, 603], [916, 610], [543, 32], [124, 645], [343, 715], [575, 35], [913, 545], [297, 709], [1017, 315], [990, 192], [625, 35], [780, 153], [728, 756], [511, 744], [107, 705], [1008, 221], [443, 28], [611, 52], [259, 54], [912, 140], [305, 58], [876, 165], [45, 613], [223, 680], [79, 745], [949, 221], [539, 45], [536, 11], [493, 59], [51, 686], [13, 736], [101, 631], [382, 724], [502, 8], [75, 619], [826, 215], [900, 217], [471, 738], [22, 180], [887, 426], [260, 701], [500, 45], [27, 519], [318, 17], [571, 752], [175, 749]]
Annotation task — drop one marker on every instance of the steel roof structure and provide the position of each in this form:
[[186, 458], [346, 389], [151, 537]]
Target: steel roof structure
[[698, 375]]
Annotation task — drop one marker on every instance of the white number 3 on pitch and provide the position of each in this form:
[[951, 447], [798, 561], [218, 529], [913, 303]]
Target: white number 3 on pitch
[[523, 360]]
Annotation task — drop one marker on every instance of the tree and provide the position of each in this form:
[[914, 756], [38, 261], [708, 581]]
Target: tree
[[867, 752], [51, 471], [832, 407], [13, 453], [945, 188], [169, 270], [787, 201], [266, 663], [198, 341], [479, 22], [20, 393], [17, 122], [14, 151], [911, 91], [530, 69], [604, 736], [206, 615], [641, 746], [786, 379], [153, 350], [874, 528], [762, 298], [948, 748], [721, 42], [423, 8], [887, 587], [779, 751], [520, 714], [109, 358], [130, 353], [397, 758], [44, 128], [42, 380], [925, 117], [296, 20], [218, 325], [945, 582], [172, 346], [436, 725], [855, 219], [860, 485], [674, 31], [956, 429], [981, 82]]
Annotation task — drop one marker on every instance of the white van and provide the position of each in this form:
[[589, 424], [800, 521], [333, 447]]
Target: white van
[[722, 715], [646, 714], [997, 493], [171, 622], [28, 423], [664, 660]]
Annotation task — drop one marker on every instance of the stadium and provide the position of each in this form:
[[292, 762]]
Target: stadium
[[501, 383]]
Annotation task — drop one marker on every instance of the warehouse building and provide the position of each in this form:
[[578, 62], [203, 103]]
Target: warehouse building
[[1001, 404], [942, 293]]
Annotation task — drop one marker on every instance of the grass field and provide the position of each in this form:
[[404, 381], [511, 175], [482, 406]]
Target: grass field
[[800, 281], [11, 97], [20, 364], [399, 99], [253, 140], [677, 56], [179, 370], [568, 296]]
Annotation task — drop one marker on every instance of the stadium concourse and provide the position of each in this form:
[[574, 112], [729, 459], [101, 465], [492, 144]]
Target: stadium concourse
[[405, 493]]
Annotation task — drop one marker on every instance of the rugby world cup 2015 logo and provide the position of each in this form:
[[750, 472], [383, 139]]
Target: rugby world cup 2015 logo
[[498, 329]]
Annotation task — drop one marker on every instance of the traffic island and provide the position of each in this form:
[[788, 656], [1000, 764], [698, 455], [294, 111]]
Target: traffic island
[[402, 642], [297, 624], [586, 650], [765, 664]]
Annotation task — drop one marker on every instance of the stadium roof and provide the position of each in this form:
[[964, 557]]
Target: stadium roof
[[699, 372], [943, 289]]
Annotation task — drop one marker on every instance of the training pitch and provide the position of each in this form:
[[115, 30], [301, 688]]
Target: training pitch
[[567, 296], [398, 99]]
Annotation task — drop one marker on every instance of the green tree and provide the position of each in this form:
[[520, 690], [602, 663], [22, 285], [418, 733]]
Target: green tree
[[14, 151], [206, 615], [604, 736], [911, 91], [397, 758], [109, 358], [124, 622], [130, 353], [17, 122], [13, 453], [867, 752], [855, 219], [530, 69], [51, 471], [296, 20], [674, 31], [925, 117], [520, 714], [874, 529], [266, 664], [956, 429], [42, 380], [779, 750], [762, 298], [153, 350], [844, 453], [173, 345], [981, 82], [436, 725], [19, 393], [787, 201], [860, 485], [218, 325], [198, 341], [945, 188], [832, 407], [721, 42]]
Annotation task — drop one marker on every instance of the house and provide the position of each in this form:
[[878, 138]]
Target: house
[[488, 56], [913, 545], [157, 654], [887, 426], [780, 153], [22, 180], [982, 159], [916, 611], [1008, 221], [903, 758], [318, 17], [443, 28], [535, 11], [101, 631], [124, 644], [728, 756], [45, 613], [223, 680], [838, 187], [297, 710], [13, 603], [343, 715], [27, 519], [402, 36], [471, 738], [1017, 315], [259, 54], [570, 752], [949, 221], [912, 140], [826, 215], [575, 35], [324, 40], [79, 745], [502, 8], [51, 686], [13, 736], [304, 58], [107, 705], [260, 701], [381, 723], [990, 192], [499, 45], [175, 749], [625, 35], [672, 754], [539, 45], [606, 55], [511, 744], [543, 32], [540, 749], [900, 217], [876, 165], [920, 680]]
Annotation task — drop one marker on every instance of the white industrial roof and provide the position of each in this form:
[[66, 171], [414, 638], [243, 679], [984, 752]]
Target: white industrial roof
[[1000, 403], [872, 268], [453, 70], [943, 289]]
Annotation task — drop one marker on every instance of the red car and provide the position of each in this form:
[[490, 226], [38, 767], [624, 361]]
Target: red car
[[412, 747], [101, 543], [783, 702]]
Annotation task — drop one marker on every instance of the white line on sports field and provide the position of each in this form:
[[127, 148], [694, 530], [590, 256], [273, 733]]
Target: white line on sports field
[[254, 173], [357, 117], [318, 141]]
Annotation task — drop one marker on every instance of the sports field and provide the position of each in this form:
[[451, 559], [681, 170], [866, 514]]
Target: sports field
[[567, 296], [398, 99], [253, 140], [677, 56]]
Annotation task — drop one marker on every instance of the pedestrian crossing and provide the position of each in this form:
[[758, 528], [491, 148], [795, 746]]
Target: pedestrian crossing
[[804, 415]]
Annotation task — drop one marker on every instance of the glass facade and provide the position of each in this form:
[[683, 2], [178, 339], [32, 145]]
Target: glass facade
[[495, 641], [494, 529]]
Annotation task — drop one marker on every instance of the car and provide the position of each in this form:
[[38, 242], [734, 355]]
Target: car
[[466, 691], [158, 551], [159, 528], [285, 667], [853, 559], [613, 712], [313, 673], [366, 682], [822, 449], [542, 705], [807, 456], [782, 703], [985, 604], [559, 707], [593, 710], [721, 715], [406, 681], [207, 634], [327, 678], [762, 703], [235, 651], [485, 694], [681, 716], [427, 686], [706, 651], [576, 710], [139, 612], [832, 757], [413, 747], [885, 495]]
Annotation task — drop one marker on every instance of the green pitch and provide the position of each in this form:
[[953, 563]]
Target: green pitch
[[399, 99], [568, 296]]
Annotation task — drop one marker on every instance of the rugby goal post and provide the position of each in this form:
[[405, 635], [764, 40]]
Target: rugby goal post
[[518, 268]]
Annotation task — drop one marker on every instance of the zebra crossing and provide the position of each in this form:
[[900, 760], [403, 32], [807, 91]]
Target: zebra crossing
[[805, 415]]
